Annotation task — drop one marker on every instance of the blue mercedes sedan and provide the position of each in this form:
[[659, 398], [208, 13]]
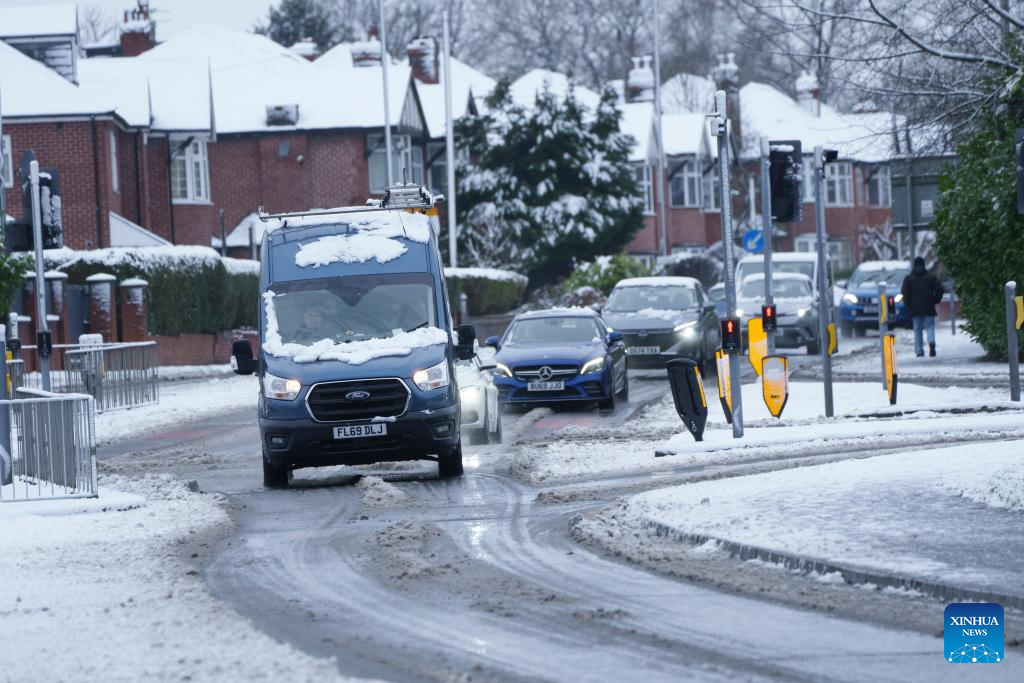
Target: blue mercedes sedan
[[560, 355]]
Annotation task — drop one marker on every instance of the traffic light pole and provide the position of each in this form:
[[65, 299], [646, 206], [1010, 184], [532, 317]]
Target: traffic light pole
[[766, 214], [735, 368], [37, 234], [824, 296]]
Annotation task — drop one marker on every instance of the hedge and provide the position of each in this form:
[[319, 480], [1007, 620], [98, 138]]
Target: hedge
[[183, 284], [488, 290]]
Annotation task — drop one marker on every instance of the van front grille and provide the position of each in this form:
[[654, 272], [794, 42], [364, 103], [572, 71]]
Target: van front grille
[[341, 401]]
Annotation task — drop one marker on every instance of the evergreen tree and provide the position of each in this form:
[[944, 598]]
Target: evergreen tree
[[546, 187], [298, 19]]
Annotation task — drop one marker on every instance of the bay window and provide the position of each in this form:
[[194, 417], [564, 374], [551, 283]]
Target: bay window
[[878, 186], [190, 171]]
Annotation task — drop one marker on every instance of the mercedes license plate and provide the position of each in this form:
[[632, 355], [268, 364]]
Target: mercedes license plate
[[871, 310], [360, 431], [545, 386], [643, 350]]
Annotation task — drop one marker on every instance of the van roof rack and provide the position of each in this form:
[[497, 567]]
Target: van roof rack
[[396, 198]]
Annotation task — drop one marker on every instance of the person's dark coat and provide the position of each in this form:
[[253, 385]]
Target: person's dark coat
[[921, 291]]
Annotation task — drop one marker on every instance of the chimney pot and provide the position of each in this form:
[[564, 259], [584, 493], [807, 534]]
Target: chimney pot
[[640, 81], [422, 52]]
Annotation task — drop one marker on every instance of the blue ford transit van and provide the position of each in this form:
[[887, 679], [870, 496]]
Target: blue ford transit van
[[358, 346]]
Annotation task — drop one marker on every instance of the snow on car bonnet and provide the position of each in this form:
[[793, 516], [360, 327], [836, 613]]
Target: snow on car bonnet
[[354, 352], [370, 236]]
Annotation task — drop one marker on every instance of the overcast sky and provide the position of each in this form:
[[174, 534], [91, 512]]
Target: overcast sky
[[175, 16]]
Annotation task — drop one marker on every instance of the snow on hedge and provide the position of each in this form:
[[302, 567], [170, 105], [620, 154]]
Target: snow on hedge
[[177, 257], [485, 274], [353, 353], [238, 266]]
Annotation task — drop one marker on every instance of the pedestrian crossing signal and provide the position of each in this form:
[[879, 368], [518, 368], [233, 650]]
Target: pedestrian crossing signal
[[731, 341], [769, 321]]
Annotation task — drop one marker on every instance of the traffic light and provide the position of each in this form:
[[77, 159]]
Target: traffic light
[[1018, 146], [731, 341], [786, 179], [769, 320]]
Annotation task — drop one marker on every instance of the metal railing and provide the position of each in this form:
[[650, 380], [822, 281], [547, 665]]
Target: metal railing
[[122, 375], [52, 448]]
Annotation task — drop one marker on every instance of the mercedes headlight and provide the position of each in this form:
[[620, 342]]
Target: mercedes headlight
[[850, 298], [432, 378], [688, 330], [502, 370], [899, 298], [280, 388], [593, 365]]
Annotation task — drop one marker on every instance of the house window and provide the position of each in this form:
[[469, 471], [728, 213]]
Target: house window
[[190, 171], [6, 162], [685, 185], [878, 186], [806, 243], [112, 143], [839, 184], [437, 167], [406, 161], [642, 174], [712, 199]]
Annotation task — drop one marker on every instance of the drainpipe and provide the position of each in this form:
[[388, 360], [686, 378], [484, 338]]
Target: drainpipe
[[138, 182], [96, 182], [170, 190]]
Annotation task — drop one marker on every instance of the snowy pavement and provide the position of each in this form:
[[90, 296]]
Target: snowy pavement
[[935, 518]]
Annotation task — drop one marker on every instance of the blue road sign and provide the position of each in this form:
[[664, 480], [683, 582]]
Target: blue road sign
[[753, 241]]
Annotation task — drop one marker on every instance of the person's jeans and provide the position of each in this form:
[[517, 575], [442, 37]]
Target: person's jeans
[[922, 323]]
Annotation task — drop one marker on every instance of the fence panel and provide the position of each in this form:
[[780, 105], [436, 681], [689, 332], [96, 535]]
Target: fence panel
[[52, 447]]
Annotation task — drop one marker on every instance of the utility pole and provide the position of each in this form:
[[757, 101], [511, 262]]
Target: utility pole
[[824, 295], [43, 336], [384, 59], [735, 368], [766, 215], [449, 143], [662, 217]]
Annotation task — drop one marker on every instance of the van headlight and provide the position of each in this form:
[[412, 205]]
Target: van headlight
[[502, 370], [280, 388], [850, 298], [801, 312], [593, 365], [432, 378]]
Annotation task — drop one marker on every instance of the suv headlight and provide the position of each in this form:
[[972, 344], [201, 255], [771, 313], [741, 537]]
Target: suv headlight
[[801, 312], [688, 330], [593, 365], [502, 370], [850, 298], [432, 378], [280, 388], [898, 298]]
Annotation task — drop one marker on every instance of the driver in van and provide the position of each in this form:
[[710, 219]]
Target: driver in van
[[313, 329]]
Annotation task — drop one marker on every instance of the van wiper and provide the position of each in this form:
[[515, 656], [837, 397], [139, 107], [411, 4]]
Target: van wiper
[[422, 324]]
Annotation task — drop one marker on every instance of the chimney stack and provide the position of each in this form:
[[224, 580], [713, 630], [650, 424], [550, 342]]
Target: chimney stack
[[367, 52], [640, 82], [808, 93], [306, 48], [727, 77], [422, 52], [137, 31]]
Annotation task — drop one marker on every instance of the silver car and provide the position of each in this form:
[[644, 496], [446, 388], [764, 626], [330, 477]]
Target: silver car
[[481, 413]]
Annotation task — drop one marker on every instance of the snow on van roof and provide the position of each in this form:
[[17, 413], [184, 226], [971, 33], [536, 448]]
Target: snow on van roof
[[353, 353], [373, 235], [784, 256], [776, 276], [663, 281]]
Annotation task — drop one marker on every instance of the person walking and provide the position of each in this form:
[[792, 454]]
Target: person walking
[[921, 291]]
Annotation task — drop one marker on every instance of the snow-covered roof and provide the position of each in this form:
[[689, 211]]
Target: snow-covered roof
[[525, 89], [31, 89], [663, 281], [239, 235], [32, 20], [467, 84], [119, 87], [125, 233], [684, 134], [687, 93]]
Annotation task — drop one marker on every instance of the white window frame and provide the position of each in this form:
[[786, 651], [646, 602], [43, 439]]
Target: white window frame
[[805, 243], [196, 163], [689, 178], [881, 178], [401, 158], [839, 184], [6, 162], [808, 182], [115, 180], [711, 190], [642, 174]]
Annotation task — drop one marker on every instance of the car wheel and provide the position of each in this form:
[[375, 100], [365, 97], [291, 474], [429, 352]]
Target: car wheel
[[495, 436], [274, 476], [608, 403], [846, 330], [449, 463]]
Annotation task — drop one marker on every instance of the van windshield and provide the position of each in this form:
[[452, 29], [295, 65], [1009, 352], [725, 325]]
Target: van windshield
[[354, 308], [801, 267]]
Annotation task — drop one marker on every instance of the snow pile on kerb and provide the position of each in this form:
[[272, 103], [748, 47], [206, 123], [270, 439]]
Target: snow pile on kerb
[[1001, 488], [353, 353], [375, 235]]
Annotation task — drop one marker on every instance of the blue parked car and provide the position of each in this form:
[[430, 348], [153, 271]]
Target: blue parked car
[[357, 351], [858, 309], [560, 355]]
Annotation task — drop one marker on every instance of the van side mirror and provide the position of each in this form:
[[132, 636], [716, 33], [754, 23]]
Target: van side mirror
[[614, 337], [492, 341], [242, 360], [467, 346]]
